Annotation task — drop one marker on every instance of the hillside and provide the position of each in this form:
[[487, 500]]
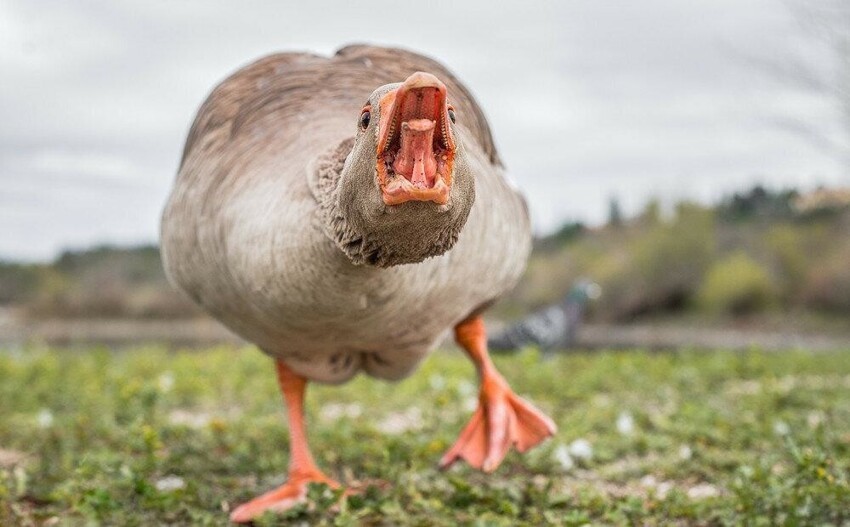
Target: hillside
[[754, 253]]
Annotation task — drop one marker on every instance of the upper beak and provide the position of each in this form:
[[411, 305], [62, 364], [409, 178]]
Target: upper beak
[[416, 144], [422, 95]]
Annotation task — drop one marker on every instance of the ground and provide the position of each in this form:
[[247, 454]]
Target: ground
[[147, 436]]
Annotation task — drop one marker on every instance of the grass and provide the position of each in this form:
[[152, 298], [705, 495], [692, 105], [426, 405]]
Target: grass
[[146, 436]]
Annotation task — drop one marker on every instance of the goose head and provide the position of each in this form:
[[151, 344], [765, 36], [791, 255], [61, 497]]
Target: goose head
[[406, 187]]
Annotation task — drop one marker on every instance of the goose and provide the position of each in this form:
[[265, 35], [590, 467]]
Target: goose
[[343, 213], [552, 328]]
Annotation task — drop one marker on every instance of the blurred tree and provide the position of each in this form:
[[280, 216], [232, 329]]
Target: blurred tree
[[18, 281], [569, 232], [657, 269], [758, 202], [615, 212], [651, 214]]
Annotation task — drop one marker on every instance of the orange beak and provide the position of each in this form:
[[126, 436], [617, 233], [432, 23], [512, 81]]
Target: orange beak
[[416, 146]]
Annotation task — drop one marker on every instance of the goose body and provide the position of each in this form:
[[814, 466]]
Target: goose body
[[246, 231], [341, 244]]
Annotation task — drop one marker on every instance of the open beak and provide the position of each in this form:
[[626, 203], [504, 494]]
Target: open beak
[[416, 147]]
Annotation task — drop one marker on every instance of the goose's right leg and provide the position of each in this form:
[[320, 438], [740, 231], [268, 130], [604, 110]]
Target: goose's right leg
[[302, 468]]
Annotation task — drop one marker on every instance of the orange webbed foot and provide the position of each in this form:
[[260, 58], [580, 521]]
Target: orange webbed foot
[[502, 419], [291, 493]]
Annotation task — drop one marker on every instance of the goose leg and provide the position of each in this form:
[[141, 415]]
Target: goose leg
[[502, 418], [302, 468]]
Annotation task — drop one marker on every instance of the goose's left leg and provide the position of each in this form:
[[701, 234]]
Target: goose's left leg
[[502, 418], [302, 468]]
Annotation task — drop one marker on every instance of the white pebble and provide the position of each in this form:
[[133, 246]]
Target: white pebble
[[170, 483], [702, 491]]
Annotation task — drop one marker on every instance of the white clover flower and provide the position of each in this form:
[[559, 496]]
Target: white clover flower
[[625, 424], [333, 411], [663, 489], [465, 388], [815, 418], [685, 452], [581, 449], [648, 481], [437, 381], [353, 410], [166, 382], [781, 428], [397, 423], [562, 456], [44, 418], [189, 418]]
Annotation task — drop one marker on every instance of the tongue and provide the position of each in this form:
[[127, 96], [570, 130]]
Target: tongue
[[415, 159]]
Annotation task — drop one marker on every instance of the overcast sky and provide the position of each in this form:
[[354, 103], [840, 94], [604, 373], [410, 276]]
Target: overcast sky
[[586, 99]]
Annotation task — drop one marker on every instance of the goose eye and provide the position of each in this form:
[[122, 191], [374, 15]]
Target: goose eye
[[365, 117], [452, 114]]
